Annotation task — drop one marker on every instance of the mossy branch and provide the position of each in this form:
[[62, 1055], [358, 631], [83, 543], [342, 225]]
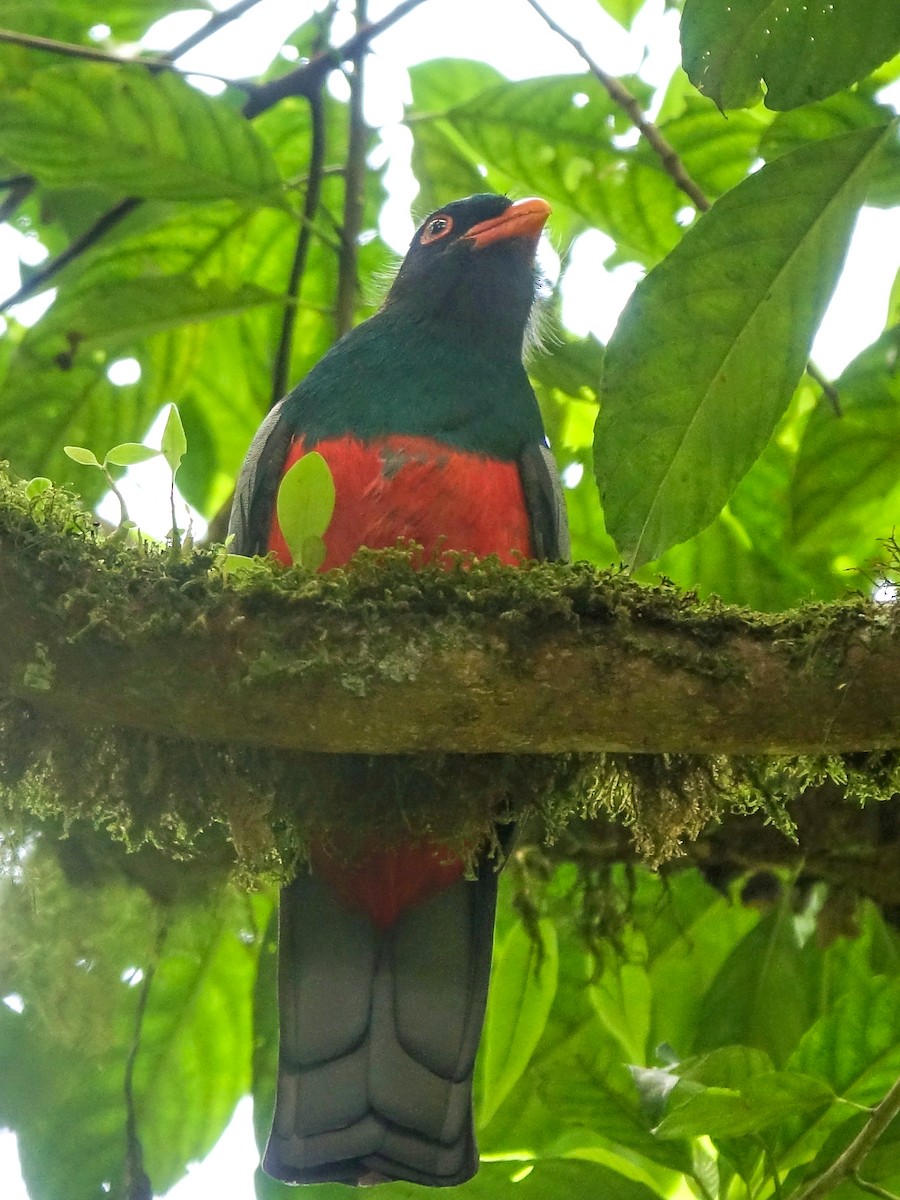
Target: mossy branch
[[165, 701], [385, 659]]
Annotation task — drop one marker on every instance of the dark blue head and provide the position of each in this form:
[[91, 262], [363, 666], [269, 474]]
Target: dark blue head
[[470, 272]]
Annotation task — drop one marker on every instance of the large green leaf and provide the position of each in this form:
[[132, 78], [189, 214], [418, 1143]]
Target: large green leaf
[[70, 20], [716, 152], [553, 137], [114, 312], [76, 955], [624, 11], [829, 118], [846, 486], [803, 52], [193, 1064], [523, 984], [762, 1100], [856, 1046], [712, 343], [747, 555], [548, 1179], [760, 997], [136, 134]]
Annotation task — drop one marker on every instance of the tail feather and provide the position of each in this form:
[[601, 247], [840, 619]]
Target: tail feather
[[379, 1032]]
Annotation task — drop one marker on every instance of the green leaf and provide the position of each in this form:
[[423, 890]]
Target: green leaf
[[194, 1060], [80, 455], [136, 134], [716, 152], [759, 997], [37, 486], [624, 11], [305, 502], [523, 985], [116, 312], [803, 52], [830, 118], [313, 552], [725, 1113], [726, 1067], [554, 137], [546, 1179], [173, 444], [845, 492], [856, 1046], [712, 343], [129, 453], [622, 999]]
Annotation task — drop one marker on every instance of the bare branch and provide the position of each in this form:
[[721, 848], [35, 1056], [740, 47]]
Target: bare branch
[[281, 369], [828, 389], [43, 277], [354, 190], [620, 95], [216, 22], [873, 1188], [309, 77], [90, 54], [18, 189], [847, 1163]]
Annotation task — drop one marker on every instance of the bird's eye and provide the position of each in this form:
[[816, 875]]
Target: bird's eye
[[436, 228]]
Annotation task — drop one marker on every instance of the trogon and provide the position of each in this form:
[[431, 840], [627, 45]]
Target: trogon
[[431, 429]]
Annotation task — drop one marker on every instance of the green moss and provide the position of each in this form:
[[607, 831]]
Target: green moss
[[262, 807]]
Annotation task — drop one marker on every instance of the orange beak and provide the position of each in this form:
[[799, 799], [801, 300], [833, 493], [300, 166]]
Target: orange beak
[[523, 219]]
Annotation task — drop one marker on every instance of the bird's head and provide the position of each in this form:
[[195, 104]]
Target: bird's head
[[470, 272]]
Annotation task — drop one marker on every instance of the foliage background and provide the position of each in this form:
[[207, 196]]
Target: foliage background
[[648, 1034]]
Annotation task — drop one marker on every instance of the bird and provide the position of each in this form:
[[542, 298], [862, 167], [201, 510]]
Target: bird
[[432, 432]]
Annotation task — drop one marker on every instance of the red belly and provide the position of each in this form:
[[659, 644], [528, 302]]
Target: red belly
[[443, 499], [413, 488]]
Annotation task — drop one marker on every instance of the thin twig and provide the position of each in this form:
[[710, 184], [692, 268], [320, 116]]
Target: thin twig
[[847, 1163], [89, 54], [875, 1190], [620, 95], [281, 369], [42, 277], [354, 191], [307, 79], [216, 22], [829, 391], [137, 1184], [18, 189]]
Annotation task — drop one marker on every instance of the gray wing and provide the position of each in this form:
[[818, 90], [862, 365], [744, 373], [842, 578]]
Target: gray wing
[[257, 485], [545, 503]]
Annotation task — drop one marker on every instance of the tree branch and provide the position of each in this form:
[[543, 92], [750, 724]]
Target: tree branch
[[309, 77], [354, 190], [547, 659], [216, 22], [89, 54], [281, 370], [846, 1164], [306, 80], [829, 391], [42, 277], [620, 95]]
